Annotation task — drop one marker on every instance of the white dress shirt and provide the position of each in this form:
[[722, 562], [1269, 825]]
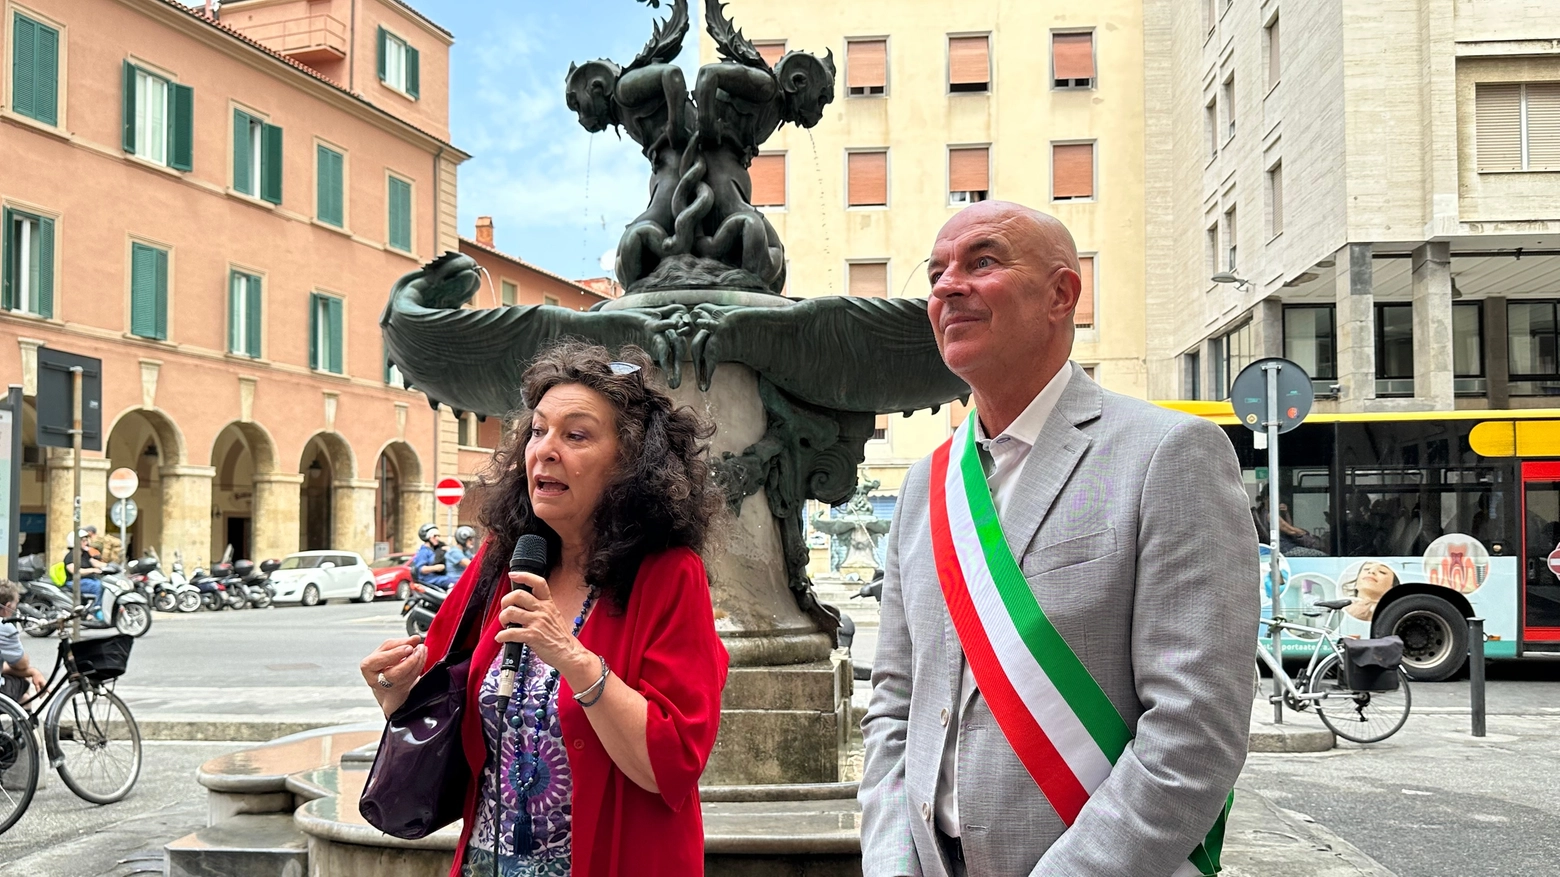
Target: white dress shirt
[[1008, 452]]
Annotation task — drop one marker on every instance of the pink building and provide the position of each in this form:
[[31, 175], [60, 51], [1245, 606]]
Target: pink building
[[217, 209]]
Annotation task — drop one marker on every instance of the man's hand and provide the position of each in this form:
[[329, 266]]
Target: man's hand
[[36, 677]]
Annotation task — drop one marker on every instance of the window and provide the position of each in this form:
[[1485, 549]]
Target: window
[[1211, 249], [159, 119], [399, 200], [28, 281], [1231, 352], [550, 300], [329, 186], [1228, 99], [880, 428], [1394, 350], [1309, 340], [1072, 60], [770, 50], [969, 174], [1211, 126], [1191, 375], [257, 157], [1218, 381], [393, 375], [148, 291], [1083, 314], [768, 175], [466, 431], [1533, 347], [244, 314], [1275, 187], [1270, 47], [35, 70], [1229, 240], [508, 292], [325, 345], [866, 67], [866, 183], [399, 64], [1518, 126], [969, 64], [868, 279], [1072, 171], [1468, 340], [1211, 10]]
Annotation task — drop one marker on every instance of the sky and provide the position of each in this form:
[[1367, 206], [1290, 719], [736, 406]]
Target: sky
[[559, 196]]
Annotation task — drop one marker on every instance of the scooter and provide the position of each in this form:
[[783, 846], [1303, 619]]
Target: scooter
[[421, 606], [49, 606]]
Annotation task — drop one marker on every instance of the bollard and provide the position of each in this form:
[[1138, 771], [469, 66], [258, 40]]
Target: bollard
[[1476, 673]]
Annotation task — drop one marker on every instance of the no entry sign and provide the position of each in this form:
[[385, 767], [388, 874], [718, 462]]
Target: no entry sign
[[122, 483], [449, 491]]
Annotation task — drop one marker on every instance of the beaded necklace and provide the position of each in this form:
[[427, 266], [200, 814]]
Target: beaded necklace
[[535, 716]]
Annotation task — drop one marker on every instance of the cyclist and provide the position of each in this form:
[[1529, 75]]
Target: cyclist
[[429, 564], [16, 672]]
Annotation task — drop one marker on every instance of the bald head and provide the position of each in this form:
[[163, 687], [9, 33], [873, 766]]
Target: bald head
[[1028, 229]]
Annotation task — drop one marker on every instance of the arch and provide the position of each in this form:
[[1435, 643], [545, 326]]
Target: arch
[[405, 458], [398, 496], [171, 447], [241, 455], [343, 461], [262, 448]]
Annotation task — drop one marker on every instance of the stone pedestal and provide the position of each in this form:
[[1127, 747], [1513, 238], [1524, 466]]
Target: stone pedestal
[[276, 514], [186, 503]]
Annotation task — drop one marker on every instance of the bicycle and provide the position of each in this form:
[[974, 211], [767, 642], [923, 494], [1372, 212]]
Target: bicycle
[[1359, 716], [89, 735]]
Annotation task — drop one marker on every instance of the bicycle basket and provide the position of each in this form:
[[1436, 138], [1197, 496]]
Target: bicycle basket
[[104, 658], [1372, 664]]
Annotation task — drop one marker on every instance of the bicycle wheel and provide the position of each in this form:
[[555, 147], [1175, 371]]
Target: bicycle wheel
[[96, 741], [1360, 716], [18, 763]]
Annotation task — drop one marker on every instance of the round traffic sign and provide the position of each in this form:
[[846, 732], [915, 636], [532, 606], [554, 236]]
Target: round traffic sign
[[449, 491], [123, 513], [122, 483], [1249, 394]]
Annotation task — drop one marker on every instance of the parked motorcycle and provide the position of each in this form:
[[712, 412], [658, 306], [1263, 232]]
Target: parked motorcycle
[[421, 606], [45, 606], [253, 582], [171, 590]]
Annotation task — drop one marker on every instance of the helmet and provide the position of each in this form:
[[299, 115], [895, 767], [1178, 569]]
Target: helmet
[[464, 534], [422, 532]]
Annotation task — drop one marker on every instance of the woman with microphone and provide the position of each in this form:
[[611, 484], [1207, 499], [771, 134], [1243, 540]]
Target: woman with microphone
[[593, 766]]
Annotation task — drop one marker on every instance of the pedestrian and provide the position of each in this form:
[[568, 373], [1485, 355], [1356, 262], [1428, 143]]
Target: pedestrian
[[17, 673], [626, 665], [1063, 675]]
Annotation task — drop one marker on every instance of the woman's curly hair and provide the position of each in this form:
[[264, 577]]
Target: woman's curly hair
[[663, 494]]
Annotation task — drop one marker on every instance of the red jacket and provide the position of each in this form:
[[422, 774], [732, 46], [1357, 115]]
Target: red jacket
[[663, 645]]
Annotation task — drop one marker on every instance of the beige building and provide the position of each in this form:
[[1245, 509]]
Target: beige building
[[938, 105], [217, 209], [1377, 186]]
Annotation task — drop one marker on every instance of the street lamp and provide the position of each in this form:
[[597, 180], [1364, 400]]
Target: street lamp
[[1230, 277]]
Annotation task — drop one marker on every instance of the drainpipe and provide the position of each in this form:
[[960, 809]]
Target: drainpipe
[[352, 57]]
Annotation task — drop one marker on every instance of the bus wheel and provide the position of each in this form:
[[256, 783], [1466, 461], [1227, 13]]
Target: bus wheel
[[1435, 636]]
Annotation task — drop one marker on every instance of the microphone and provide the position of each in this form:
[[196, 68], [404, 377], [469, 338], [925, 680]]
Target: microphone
[[530, 556]]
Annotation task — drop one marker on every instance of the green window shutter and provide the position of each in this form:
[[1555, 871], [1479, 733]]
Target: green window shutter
[[253, 302], [241, 157], [44, 299], [235, 302], [160, 289], [381, 43], [314, 330], [143, 288], [328, 182], [181, 154], [24, 65], [413, 74], [47, 84], [8, 244], [400, 198], [271, 163], [129, 108], [334, 334]]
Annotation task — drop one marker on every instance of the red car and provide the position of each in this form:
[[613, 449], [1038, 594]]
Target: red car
[[392, 576]]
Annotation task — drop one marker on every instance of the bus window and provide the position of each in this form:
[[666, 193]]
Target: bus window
[[1399, 512], [1305, 488]]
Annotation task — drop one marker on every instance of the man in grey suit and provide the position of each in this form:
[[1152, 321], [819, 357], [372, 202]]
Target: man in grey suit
[[1132, 531]]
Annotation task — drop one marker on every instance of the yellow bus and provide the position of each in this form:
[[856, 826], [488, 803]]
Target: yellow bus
[[1424, 519]]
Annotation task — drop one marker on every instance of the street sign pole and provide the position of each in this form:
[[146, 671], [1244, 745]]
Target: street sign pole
[[76, 432], [1272, 424], [12, 495]]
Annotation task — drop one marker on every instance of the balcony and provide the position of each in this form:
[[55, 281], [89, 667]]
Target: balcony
[[308, 39]]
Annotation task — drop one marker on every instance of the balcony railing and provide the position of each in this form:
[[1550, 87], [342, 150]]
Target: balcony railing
[[309, 39]]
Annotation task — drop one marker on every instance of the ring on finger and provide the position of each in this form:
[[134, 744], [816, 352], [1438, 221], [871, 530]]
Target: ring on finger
[[384, 681]]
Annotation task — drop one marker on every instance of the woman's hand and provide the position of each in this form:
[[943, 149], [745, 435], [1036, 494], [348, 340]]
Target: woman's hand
[[400, 661], [531, 617]]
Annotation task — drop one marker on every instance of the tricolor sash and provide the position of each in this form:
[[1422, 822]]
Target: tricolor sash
[[1056, 717]]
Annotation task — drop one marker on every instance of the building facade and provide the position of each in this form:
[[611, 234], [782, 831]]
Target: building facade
[[217, 209], [1368, 189], [938, 106]]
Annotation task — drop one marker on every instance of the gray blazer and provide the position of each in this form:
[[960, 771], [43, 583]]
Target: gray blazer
[[1131, 525]]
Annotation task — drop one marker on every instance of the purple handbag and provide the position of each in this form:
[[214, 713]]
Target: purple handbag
[[420, 778]]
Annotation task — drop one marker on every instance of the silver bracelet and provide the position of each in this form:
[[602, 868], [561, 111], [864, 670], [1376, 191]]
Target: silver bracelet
[[599, 687]]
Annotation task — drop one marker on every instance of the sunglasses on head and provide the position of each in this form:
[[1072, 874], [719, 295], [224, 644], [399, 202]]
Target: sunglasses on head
[[622, 368]]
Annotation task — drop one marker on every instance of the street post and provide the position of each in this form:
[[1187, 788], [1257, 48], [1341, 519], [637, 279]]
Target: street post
[[76, 373]]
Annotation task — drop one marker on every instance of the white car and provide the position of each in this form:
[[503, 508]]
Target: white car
[[312, 577]]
